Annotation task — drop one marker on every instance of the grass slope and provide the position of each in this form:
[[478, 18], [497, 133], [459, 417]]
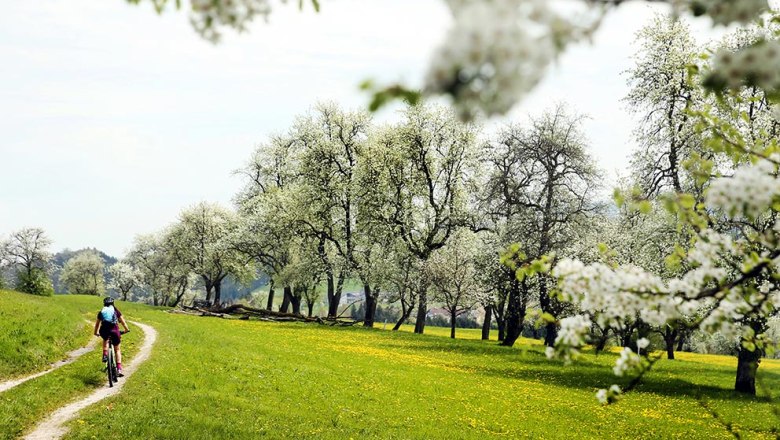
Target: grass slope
[[237, 379], [36, 331], [21, 407], [211, 378]]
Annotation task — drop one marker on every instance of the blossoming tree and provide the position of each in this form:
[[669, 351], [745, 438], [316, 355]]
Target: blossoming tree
[[498, 50], [124, 278]]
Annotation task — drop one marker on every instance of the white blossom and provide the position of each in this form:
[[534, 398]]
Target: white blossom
[[627, 363], [749, 191], [758, 65], [601, 395], [572, 335], [606, 396], [725, 12], [776, 113], [496, 52]]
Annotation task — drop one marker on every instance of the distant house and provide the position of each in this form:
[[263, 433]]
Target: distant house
[[436, 311], [350, 297]]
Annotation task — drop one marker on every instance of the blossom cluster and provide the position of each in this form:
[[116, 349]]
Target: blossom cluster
[[614, 295], [573, 331], [207, 16], [725, 12], [496, 52], [606, 396], [611, 296], [628, 363], [747, 192], [758, 64]]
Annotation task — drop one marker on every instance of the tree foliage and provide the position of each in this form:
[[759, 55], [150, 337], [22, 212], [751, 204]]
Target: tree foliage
[[124, 278], [26, 251], [85, 274]]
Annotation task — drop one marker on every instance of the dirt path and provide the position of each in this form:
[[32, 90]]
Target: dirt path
[[72, 356], [53, 427]]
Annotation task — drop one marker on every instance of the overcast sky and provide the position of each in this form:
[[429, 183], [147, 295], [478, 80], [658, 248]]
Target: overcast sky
[[113, 119]]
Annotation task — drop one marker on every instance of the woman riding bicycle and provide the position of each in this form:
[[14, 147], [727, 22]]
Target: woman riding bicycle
[[107, 326]]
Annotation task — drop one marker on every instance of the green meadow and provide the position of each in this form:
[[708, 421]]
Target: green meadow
[[231, 379]]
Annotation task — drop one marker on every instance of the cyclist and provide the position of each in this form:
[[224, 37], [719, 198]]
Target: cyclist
[[107, 326]]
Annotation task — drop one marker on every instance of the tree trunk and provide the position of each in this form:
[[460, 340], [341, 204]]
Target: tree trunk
[[681, 340], [552, 333], [180, 294], [500, 312], [747, 365], [286, 299], [295, 300], [603, 336], [217, 293], [601, 343], [453, 317], [310, 306], [513, 324], [670, 336], [548, 305], [405, 314], [124, 296], [370, 306], [515, 315], [486, 323], [209, 289], [269, 305], [422, 310], [625, 338], [747, 361], [333, 302]]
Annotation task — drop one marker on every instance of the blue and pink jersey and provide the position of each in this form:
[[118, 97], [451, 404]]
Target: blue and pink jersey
[[109, 323]]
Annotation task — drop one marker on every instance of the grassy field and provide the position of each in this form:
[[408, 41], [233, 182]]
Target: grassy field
[[460, 333], [36, 331], [230, 379], [50, 325]]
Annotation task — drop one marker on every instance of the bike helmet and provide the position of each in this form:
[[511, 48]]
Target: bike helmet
[[108, 301]]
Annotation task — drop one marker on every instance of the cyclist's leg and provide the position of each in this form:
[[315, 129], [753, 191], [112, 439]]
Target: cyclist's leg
[[118, 354], [105, 349]]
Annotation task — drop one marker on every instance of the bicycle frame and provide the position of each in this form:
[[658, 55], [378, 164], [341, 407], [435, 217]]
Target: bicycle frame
[[111, 369]]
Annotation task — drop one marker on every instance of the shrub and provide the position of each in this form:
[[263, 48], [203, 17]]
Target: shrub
[[37, 282]]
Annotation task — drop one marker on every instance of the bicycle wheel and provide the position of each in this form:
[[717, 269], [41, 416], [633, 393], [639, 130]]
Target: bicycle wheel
[[110, 369]]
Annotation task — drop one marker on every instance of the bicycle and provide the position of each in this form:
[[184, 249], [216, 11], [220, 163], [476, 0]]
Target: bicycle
[[111, 369]]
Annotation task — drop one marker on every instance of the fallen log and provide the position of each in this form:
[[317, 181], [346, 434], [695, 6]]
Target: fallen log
[[243, 312]]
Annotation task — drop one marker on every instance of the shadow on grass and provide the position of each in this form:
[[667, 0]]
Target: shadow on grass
[[530, 363], [592, 377]]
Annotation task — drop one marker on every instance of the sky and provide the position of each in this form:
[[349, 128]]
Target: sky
[[113, 118]]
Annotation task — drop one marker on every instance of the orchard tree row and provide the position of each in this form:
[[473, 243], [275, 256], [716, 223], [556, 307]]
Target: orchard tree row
[[431, 210]]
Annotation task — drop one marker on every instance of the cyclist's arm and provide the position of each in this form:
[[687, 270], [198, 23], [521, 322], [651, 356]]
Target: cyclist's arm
[[124, 324], [97, 327]]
